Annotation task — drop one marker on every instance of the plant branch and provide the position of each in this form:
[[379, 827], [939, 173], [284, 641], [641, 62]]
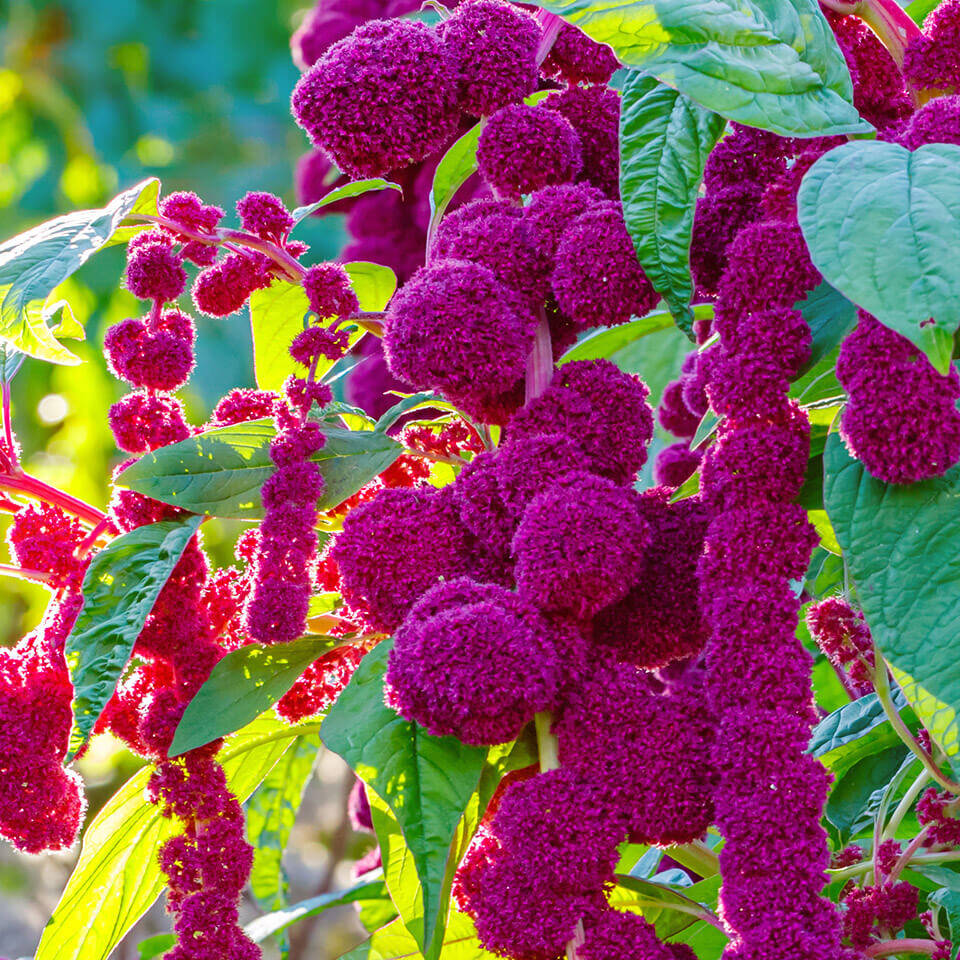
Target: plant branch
[[32, 487], [540, 361], [881, 683], [904, 857], [887, 948], [858, 869], [696, 856], [906, 802], [24, 573], [547, 745]]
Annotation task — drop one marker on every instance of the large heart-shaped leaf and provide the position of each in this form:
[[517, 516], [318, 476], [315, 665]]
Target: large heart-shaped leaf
[[767, 63], [394, 942], [117, 877], [244, 684], [880, 222], [665, 139], [902, 548], [220, 472], [120, 587], [34, 263], [426, 781]]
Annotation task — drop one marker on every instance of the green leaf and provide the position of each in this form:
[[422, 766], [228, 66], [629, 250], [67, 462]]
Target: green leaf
[[117, 876], [825, 574], [241, 686], [11, 360], [373, 283], [877, 219], [902, 547], [416, 401], [766, 63], [271, 923], [919, 9], [654, 900], [665, 139], [831, 317], [147, 203], [277, 314], [454, 169], [949, 903], [220, 472], [34, 263], [706, 941], [120, 587], [605, 344], [155, 946], [856, 795], [394, 942], [345, 192], [426, 781], [271, 813], [857, 730]]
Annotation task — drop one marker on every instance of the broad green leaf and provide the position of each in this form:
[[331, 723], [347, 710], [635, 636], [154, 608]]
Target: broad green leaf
[[766, 63], [665, 139], [117, 876], [146, 203], [825, 574], [706, 941], [277, 314], [902, 547], [706, 428], [394, 942], [654, 900], [949, 903], [604, 344], [271, 813], [856, 795], [271, 923], [858, 729], [831, 317], [120, 587], [244, 684], [426, 781], [373, 283], [11, 360], [155, 946], [220, 472], [345, 192], [878, 219], [34, 263]]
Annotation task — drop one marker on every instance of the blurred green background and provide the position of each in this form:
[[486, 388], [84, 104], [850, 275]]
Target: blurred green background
[[96, 95]]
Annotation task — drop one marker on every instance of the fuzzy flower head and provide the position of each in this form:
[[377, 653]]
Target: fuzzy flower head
[[901, 420], [328, 288], [935, 122], [843, 635], [188, 210], [265, 215], [141, 422], [673, 413], [42, 537], [611, 934], [575, 58], [382, 98], [931, 61], [159, 358], [552, 210], [472, 662], [676, 464], [579, 546], [718, 218], [223, 288], [599, 407], [597, 280], [594, 112], [454, 328], [659, 621], [154, 269], [492, 47], [524, 148], [495, 235], [242, 404], [395, 547]]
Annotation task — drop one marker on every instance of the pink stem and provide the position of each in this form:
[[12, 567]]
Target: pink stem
[[915, 844], [7, 428], [91, 538], [888, 20], [24, 573], [551, 27], [888, 948], [540, 361], [32, 487]]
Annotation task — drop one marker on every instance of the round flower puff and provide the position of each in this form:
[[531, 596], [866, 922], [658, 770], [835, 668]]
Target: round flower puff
[[492, 46], [579, 546], [552, 209], [575, 58], [382, 98], [597, 279], [524, 148], [264, 215], [454, 328], [328, 288], [472, 662]]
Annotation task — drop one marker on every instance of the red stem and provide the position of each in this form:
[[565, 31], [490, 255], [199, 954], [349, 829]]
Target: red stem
[[551, 27], [91, 538], [888, 20], [888, 948], [540, 361], [32, 487], [7, 428], [24, 573]]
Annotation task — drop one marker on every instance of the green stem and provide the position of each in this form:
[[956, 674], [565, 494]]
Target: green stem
[[905, 804], [696, 856], [920, 859], [881, 683], [547, 745]]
